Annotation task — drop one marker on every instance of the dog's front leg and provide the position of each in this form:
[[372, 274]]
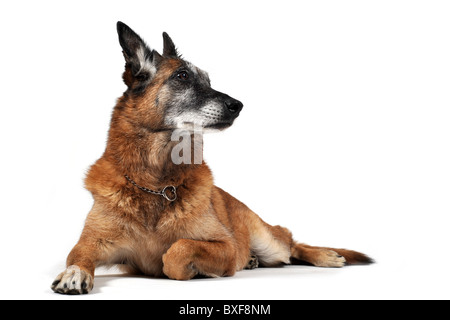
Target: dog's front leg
[[78, 278], [98, 244], [187, 258]]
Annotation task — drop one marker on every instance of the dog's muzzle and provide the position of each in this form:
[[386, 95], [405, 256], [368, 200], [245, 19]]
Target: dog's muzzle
[[222, 112]]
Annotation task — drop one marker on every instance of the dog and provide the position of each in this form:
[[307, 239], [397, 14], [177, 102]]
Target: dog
[[157, 218]]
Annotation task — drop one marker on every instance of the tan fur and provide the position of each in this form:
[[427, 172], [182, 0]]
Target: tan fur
[[204, 232]]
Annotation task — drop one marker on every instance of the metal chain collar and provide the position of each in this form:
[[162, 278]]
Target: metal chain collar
[[162, 193]]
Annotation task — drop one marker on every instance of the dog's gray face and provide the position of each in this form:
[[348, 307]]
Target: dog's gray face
[[183, 93], [192, 101]]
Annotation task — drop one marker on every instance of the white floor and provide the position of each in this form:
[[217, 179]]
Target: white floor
[[292, 282]]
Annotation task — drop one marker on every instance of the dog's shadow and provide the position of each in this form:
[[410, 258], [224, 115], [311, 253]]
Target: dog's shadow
[[107, 280]]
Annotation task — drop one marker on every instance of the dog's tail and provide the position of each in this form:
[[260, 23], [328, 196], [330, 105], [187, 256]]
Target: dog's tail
[[327, 257]]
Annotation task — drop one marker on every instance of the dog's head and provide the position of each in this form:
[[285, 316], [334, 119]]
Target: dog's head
[[169, 92]]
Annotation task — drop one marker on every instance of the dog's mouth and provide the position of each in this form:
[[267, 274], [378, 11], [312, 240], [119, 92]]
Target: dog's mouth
[[219, 125], [193, 126]]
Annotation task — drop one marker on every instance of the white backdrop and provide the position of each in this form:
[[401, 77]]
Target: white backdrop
[[344, 137]]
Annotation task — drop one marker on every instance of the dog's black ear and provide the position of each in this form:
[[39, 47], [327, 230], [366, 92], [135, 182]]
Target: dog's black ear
[[170, 50], [138, 55], [157, 58]]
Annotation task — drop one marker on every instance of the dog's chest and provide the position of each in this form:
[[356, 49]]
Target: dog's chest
[[150, 241], [145, 255], [148, 245]]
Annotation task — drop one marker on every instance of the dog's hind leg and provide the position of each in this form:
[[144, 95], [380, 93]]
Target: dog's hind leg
[[253, 263], [271, 245], [274, 245]]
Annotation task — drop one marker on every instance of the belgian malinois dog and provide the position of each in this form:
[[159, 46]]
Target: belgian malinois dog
[[154, 217]]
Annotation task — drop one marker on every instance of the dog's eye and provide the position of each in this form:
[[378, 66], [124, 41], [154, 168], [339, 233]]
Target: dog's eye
[[183, 75]]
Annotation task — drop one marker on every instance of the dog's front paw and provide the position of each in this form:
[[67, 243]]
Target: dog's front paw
[[73, 281], [178, 263]]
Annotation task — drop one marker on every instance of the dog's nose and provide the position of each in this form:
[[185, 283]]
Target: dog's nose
[[234, 106]]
